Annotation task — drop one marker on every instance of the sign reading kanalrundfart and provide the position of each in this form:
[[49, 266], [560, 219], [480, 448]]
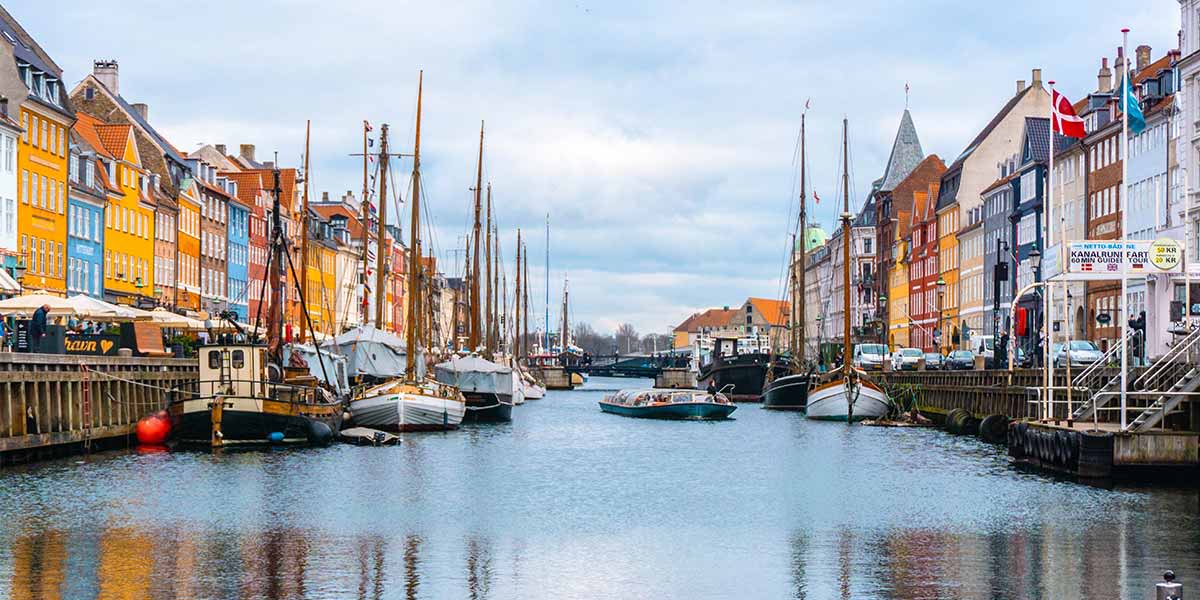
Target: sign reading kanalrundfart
[[1105, 260]]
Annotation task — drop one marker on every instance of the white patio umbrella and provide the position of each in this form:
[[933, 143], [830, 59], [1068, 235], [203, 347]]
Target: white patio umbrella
[[28, 303], [87, 307], [168, 319]]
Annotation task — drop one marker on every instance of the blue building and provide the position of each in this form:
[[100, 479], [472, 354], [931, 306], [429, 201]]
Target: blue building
[[237, 265], [85, 221]]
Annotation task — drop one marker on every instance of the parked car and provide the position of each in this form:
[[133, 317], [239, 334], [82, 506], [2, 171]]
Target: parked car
[[906, 359], [1083, 354], [960, 360], [870, 356], [934, 361]]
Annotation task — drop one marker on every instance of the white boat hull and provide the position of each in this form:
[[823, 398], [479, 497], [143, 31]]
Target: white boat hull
[[831, 402], [404, 411], [534, 391], [518, 393]]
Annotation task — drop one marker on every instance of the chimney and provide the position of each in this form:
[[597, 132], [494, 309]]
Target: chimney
[[1104, 78], [1120, 65], [247, 152], [1020, 86], [1037, 78], [324, 196], [143, 110], [106, 72], [1143, 56], [221, 149]]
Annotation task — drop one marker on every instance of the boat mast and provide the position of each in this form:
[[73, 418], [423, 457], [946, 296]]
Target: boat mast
[[366, 226], [489, 343], [414, 236], [525, 309], [562, 338], [304, 230], [547, 304], [380, 275], [516, 353], [799, 302], [846, 250], [496, 289], [473, 338], [275, 315]]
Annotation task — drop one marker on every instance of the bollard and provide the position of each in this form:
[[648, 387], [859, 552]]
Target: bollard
[[1168, 589]]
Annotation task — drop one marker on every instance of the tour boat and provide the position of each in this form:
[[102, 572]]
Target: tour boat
[[840, 401], [668, 404], [486, 386], [789, 392], [847, 396]]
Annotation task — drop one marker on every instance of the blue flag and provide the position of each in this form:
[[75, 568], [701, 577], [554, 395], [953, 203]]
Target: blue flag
[[1137, 121]]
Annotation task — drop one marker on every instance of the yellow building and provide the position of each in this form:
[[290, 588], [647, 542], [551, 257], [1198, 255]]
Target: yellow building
[[129, 220], [948, 263], [189, 247], [42, 172], [897, 305]]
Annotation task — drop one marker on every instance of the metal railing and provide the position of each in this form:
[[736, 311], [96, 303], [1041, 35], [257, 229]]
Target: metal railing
[[1097, 377]]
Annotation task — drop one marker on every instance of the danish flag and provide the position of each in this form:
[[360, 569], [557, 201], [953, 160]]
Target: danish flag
[[1066, 122]]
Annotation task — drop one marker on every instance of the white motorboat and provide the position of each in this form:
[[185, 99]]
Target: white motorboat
[[533, 391], [842, 401], [407, 406]]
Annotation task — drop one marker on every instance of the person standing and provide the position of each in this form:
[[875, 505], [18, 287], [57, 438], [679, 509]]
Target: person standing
[[37, 328]]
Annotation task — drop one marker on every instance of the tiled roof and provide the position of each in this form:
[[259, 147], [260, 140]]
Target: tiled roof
[[1152, 69], [774, 311], [114, 138], [866, 216], [1037, 134], [85, 127], [906, 154], [1000, 182], [26, 49], [713, 317]]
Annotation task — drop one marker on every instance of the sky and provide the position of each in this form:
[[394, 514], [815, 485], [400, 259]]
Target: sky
[[659, 137]]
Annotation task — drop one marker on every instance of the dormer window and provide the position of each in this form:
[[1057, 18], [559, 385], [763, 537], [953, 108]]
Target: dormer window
[[89, 93]]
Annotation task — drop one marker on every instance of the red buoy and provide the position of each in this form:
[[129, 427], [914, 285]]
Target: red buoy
[[154, 429]]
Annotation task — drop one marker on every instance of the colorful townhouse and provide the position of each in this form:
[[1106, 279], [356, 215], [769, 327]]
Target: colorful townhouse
[[901, 201], [128, 216], [923, 291], [1157, 207], [238, 255], [1104, 218], [906, 154], [343, 217], [214, 231], [995, 280], [1186, 128], [961, 192], [188, 245], [254, 196], [88, 194], [13, 93], [166, 173], [46, 117]]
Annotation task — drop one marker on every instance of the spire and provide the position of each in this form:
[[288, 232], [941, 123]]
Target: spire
[[906, 154]]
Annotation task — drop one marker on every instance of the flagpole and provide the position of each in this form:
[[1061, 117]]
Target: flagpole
[[1047, 289], [1123, 200]]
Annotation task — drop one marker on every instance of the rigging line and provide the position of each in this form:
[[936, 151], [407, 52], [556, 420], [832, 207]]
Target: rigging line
[[789, 252]]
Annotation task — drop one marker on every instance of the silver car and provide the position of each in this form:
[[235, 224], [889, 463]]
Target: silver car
[[906, 359], [1083, 354]]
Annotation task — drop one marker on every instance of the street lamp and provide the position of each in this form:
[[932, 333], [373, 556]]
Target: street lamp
[[941, 292], [820, 341], [881, 318]]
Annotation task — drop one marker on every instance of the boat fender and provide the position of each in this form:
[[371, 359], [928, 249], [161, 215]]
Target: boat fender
[[154, 429], [994, 429], [970, 425], [955, 420], [275, 436], [319, 433]]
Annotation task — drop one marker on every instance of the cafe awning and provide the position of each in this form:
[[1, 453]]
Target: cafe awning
[[27, 304], [94, 309], [8, 285]]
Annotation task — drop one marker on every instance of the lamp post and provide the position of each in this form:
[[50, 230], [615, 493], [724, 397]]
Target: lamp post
[[941, 329], [820, 341], [1035, 264], [881, 319]]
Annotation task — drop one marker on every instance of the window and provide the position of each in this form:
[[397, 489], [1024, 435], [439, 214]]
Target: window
[[214, 359], [24, 186]]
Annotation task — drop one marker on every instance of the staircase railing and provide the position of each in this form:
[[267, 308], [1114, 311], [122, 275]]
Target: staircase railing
[[1174, 377], [1096, 378]]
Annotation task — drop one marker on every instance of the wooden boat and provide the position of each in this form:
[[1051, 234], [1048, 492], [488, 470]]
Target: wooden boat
[[486, 387], [745, 372], [789, 392], [849, 395], [239, 398], [412, 402], [668, 404]]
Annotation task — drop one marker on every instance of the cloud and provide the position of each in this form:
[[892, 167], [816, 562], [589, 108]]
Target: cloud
[[659, 137]]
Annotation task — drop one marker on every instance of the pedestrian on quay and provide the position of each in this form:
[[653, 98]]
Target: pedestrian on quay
[[37, 328]]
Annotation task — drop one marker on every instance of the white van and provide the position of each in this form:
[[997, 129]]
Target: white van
[[985, 346]]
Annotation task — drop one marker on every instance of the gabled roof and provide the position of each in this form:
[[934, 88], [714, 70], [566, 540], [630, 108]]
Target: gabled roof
[[330, 210], [1036, 143], [991, 126], [774, 311], [85, 127], [163, 145], [116, 138], [26, 49], [906, 154]]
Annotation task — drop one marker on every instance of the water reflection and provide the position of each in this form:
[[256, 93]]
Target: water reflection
[[568, 503]]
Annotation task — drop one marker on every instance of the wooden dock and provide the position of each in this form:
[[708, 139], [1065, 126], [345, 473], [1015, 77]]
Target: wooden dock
[[53, 404]]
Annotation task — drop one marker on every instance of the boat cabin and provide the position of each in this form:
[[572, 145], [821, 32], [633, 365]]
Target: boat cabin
[[655, 397]]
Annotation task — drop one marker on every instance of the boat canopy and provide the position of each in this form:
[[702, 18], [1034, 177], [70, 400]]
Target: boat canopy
[[473, 373], [663, 396], [334, 372], [373, 352]]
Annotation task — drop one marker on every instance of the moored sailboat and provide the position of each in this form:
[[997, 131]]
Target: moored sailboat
[[849, 395], [414, 402], [790, 392]]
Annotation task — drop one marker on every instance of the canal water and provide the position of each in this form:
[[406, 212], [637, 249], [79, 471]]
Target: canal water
[[567, 502]]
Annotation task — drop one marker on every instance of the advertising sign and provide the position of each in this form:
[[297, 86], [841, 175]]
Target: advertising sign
[[1092, 260]]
